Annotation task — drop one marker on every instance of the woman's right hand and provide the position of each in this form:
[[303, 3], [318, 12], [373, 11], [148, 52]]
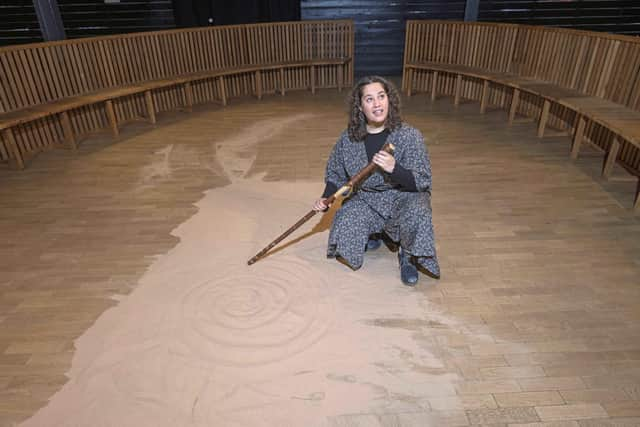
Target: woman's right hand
[[320, 205]]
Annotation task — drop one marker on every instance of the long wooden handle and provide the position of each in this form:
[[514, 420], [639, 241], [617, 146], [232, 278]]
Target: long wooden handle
[[297, 225], [345, 188], [281, 237]]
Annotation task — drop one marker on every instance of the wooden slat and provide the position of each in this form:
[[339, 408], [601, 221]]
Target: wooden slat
[[113, 120], [577, 138], [151, 110], [258, 81], [434, 85], [14, 153], [69, 136], [222, 90], [188, 96], [485, 93], [456, 101], [610, 158], [544, 116], [514, 105]]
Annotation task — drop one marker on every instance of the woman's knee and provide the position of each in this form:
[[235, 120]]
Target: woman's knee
[[414, 205], [357, 219]]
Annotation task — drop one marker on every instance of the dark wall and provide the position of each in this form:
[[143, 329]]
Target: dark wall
[[84, 18], [379, 23], [191, 13], [379, 26], [18, 22], [613, 16]]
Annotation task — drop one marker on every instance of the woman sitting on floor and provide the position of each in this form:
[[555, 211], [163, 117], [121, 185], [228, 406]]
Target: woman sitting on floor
[[394, 200]]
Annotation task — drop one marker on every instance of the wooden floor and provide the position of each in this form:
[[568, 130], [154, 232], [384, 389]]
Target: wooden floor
[[540, 256]]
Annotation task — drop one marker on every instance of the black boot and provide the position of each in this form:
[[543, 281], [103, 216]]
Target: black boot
[[408, 271], [373, 243]]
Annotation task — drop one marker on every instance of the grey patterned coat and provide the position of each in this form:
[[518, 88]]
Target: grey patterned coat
[[379, 205]]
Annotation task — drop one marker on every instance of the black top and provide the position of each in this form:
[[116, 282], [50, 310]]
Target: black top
[[373, 143]]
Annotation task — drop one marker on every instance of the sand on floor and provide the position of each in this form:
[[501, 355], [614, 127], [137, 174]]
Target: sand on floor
[[295, 339]]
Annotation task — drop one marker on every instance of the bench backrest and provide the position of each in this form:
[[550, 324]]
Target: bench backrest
[[597, 64]]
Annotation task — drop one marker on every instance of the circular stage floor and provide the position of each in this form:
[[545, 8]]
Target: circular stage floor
[[125, 298]]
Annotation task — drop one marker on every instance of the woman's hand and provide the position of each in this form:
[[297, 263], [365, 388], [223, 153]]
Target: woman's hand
[[320, 205], [385, 160]]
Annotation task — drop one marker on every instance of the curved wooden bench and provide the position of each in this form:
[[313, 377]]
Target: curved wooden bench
[[147, 87], [575, 107]]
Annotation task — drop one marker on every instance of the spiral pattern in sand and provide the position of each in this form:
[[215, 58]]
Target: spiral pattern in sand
[[257, 316]]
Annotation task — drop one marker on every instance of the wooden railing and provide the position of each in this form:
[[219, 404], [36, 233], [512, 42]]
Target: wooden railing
[[585, 83], [71, 79]]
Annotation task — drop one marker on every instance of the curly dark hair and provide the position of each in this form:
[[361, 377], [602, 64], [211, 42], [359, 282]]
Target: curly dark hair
[[357, 120]]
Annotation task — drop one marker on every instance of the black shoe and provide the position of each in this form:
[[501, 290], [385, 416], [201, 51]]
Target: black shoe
[[373, 244], [408, 271]]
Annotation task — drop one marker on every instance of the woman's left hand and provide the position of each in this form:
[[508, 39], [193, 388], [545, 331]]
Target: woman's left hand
[[385, 160]]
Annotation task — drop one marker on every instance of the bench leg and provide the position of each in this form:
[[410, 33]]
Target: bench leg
[[282, 81], [409, 81], [577, 138], [312, 78], [113, 120], [544, 116], [15, 157], [434, 84], [514, 105], [456, 99], [67, 129], [610, 158], [483, 100], [258, 78], [223, 94], [188, 97], [151, 111]]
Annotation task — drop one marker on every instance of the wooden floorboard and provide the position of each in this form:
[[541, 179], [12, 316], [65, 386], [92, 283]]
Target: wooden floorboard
[[540, 256]]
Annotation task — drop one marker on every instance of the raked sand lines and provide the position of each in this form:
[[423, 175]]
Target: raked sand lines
[[257, 316]]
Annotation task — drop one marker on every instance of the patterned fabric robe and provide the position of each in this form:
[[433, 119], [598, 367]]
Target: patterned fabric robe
[[379, 205]]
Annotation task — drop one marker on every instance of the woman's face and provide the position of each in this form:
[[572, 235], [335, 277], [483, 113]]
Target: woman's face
[[374, 103]]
